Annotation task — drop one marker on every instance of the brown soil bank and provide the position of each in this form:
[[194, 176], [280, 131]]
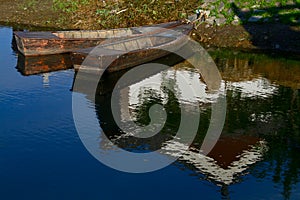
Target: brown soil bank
[[263, 36], [28, 13]]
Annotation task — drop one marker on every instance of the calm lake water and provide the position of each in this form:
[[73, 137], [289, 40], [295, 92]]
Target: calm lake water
[[256, 157]]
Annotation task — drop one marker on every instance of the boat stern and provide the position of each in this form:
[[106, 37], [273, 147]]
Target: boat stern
[[19, 42]]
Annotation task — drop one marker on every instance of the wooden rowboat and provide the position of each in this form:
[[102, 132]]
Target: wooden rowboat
[[44, 43], [130, 52]]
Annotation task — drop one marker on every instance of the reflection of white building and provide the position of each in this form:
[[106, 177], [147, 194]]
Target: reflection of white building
[[188, 87], [231, 156], [258, 87], [46, 81]]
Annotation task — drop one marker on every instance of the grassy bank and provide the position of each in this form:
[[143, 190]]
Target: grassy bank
[[99, 14], [112, 14], [124, 13], [236, 24]]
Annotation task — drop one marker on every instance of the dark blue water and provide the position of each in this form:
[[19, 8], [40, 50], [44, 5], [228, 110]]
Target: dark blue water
[[42, 157]]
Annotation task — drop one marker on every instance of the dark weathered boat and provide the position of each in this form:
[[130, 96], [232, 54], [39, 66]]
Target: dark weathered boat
[[130, 52], [44, 43], [30, 65]]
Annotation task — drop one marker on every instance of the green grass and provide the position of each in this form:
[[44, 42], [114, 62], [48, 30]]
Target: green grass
[[68, 5], [29, 4], [111, 14]]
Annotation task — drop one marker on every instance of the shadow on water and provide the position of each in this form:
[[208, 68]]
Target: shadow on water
[[266, 30], [261, 128]]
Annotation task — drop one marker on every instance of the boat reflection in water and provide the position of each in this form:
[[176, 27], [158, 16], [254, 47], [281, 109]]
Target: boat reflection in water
[[30, 65], [263, 110]]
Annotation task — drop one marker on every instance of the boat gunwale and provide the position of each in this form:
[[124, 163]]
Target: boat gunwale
[[168, 25], [166, 48], [134, 39], [182, 34], [27, 45]]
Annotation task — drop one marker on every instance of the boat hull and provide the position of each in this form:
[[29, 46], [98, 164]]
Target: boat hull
[[131, 52], [45, 43], [36, 47]]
